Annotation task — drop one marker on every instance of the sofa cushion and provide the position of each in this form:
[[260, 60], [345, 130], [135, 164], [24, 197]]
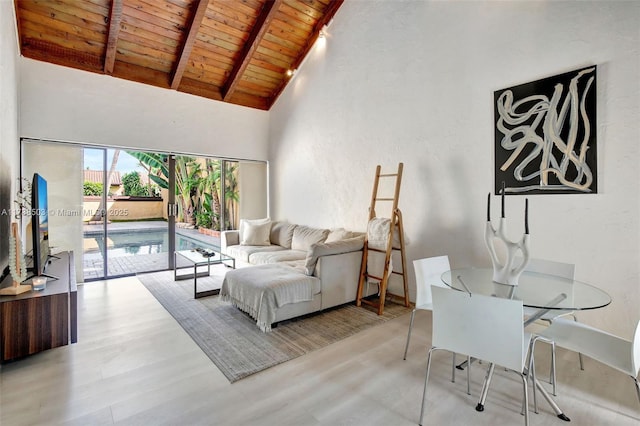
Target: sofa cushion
[[265, 257], [325, 249], [282, 234], [243, 252], [338, 234], [256, 234], [304, 237]]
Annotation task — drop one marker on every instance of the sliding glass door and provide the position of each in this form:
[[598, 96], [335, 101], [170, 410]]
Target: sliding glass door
[[125, 211], [126, 222]]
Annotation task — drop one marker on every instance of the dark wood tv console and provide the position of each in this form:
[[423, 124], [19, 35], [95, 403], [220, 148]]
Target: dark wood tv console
[[38, 320]]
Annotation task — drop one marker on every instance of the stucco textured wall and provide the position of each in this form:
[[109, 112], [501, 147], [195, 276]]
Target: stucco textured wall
[[413, 82]]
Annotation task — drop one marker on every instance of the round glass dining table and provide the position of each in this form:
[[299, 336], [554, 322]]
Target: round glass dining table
[[536, 290]]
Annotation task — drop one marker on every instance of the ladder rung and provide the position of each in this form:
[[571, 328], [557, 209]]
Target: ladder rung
[[387, 174], [373, 276], [397, 273], [376, 250], [385, 199]]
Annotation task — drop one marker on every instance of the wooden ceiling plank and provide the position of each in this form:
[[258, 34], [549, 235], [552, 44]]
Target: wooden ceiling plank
[[330, 11], [218, 33], [175, 16], [257, 33], [134, 38], [280, 41], [54, 37], [217, 16], [148, 36], [84, 10], [230, 16], [295, 13], [140, 74], [212, 24], [287, 31], [49, 52], [305, 27], [231, 48], [79, 24], [115, 19], [61, 28], [304, 8], [135, 58], [150, 22], [276, 55], [252, 12]]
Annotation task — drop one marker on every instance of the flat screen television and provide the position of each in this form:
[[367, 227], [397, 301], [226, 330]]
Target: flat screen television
[[39, 224]]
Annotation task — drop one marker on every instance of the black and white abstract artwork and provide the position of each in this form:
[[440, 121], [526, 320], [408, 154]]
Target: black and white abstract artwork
[[545, 135]]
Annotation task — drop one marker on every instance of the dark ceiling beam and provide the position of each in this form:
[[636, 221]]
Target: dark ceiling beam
[[194, 27], [115, 18], [269, 10], [328, 14]]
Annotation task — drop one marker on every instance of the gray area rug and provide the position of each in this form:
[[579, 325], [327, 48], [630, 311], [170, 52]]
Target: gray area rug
[[232, 339]]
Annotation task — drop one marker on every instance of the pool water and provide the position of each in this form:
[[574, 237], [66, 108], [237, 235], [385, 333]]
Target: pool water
[[135, 242]]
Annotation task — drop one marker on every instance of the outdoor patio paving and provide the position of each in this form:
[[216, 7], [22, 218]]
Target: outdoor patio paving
[[136, 263]]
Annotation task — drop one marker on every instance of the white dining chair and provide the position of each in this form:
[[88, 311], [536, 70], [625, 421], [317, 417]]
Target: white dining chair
[[428, 272], [483, 327], [604, 347], [559, 269]]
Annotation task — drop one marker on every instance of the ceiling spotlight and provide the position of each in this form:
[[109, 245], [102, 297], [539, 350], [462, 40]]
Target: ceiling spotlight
[[323, 32], [290, 73]]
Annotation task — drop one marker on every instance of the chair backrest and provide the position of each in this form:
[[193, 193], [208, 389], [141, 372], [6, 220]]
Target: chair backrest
[[543, 266], [484, 327], [428, 272], [636, 349]]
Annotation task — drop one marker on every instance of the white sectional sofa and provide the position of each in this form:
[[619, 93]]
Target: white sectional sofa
[[287, 270]]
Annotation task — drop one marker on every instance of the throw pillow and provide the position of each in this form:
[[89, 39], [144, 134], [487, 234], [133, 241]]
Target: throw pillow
[[256, 234], [244, 222]]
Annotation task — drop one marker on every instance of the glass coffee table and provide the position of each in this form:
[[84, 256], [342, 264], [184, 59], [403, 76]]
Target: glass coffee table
[[200, 259]]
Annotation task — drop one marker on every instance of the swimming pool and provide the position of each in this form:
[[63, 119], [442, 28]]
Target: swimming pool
[[136, 242]]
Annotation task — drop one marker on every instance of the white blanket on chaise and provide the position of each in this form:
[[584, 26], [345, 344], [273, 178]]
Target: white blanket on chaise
[[261, 290]]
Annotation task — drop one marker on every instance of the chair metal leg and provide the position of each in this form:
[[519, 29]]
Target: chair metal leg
[[532, 372], [406, 348], [552, 373], [426, 380], [526, 399], [453, 368], [468, 375]]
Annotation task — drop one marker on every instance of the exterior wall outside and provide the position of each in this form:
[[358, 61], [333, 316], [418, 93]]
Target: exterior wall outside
[[413, 82], [125, 209]]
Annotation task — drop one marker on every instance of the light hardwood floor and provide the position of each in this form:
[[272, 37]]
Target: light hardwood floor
[[134, 365]]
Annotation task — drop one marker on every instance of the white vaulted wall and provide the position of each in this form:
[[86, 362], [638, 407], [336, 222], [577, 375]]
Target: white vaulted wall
[[413, 82], [65, 104]]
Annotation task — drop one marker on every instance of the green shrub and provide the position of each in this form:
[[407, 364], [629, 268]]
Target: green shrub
[[92, 188], [132, 185]]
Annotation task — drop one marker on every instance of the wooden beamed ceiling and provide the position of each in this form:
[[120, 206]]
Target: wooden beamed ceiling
[[236, 51]]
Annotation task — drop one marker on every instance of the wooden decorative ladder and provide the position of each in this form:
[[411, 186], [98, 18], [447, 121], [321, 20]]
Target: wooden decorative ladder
[[395, 226]]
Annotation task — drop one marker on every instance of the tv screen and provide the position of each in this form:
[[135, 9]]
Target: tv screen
[[39, 224]]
